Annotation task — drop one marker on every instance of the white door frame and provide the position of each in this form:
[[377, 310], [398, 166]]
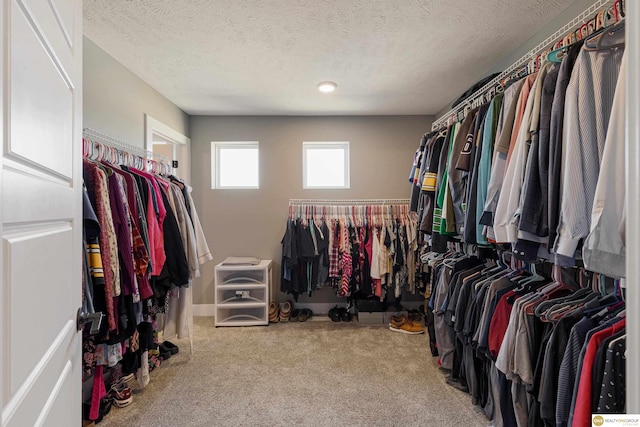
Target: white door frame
[[181, 144], [633, 205]]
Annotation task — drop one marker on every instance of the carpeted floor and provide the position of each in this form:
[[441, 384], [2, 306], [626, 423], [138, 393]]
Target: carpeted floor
[[304, 374]]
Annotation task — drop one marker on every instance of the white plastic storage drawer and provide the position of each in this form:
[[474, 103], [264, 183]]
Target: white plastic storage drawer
[[241, 296], [241, 316], [241, 277]]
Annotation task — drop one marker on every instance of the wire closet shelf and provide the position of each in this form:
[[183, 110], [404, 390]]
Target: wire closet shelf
[[347, 202], [125, 153], [102, 138], [494, 86]]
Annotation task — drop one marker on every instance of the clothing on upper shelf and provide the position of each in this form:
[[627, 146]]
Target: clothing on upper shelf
[[524, 169]]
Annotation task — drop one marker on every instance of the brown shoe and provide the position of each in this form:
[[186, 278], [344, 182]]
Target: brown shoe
[[285, 311], [411, 328], [274, 312], [399, 319]]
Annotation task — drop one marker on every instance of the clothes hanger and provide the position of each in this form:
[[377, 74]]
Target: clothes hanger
[[597, 40], [617, 340], [575, 297]]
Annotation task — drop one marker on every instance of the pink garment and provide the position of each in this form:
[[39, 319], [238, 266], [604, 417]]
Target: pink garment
[[154, 224], [520, 107], [162, 212], [377, 288], [97, 393], [347, 266]]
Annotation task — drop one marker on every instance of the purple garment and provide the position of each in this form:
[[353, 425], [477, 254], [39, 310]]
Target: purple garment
[[123, 235]]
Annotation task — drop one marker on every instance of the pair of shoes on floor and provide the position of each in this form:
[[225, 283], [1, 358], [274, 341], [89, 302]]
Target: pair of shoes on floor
[[338, 314], [274, 312], [405, 325], [167, 349], [124, 380], [301, 315], [121, 394], [285, 311], [414, 316], [106, 403]]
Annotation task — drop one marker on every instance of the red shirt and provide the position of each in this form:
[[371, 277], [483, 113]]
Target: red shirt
[[500, 322], [582, 411]]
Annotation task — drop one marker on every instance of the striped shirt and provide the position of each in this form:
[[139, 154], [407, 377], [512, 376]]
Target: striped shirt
[[588, 103], [604, 248]]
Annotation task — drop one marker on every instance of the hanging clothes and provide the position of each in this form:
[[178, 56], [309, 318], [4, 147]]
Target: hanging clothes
[[144, 244]]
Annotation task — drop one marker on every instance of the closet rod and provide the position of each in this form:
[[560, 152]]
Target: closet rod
[[344, 202], [102, 138], [540, 48]]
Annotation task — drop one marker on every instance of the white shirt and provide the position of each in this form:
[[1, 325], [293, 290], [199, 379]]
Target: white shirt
[[604, 248], [505, 224], [586, 118]]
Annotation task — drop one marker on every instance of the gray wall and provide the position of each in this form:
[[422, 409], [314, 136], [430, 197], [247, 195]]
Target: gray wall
[[115, 100], [252, 222], [574, 9]]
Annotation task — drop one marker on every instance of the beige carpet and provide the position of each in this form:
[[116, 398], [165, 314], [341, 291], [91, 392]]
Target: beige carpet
[[300, 374]]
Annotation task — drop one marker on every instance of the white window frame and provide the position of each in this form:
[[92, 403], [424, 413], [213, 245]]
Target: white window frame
[[344, 145], [216, 146]]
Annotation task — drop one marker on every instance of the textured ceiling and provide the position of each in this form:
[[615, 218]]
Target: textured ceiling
[[266, 56]]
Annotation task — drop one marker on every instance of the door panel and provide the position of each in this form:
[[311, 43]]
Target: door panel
[[41, 99], [22, 190], [63, 12], [40, 214], [21, 251]]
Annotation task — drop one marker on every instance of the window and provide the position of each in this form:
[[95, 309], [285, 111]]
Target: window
[[234, 164], [325, 165]]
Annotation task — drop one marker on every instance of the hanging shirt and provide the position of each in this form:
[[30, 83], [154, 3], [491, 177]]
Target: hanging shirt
[[456, 176], [588, 104], [471, 167], [505, 221], [428, 194], [484, 165], [534, 217], [441, 210], [604, 248], [499, 161], [555, 139]]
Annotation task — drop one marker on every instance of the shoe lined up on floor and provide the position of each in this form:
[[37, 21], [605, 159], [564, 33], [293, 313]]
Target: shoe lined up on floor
[[165, 352], [274, 312], [405, 325], [285, 311], [121, 395], [340, 314], [304, 315], [174, 349]]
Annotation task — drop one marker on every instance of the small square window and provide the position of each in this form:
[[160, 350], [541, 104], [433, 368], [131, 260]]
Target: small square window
[[325, 165], [234, 164]]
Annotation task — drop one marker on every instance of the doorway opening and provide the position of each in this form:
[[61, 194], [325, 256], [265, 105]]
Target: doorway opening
[[173, 146]]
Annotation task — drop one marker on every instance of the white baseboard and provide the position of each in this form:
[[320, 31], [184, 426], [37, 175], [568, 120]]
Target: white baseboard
[[319, 309], [204, 310]]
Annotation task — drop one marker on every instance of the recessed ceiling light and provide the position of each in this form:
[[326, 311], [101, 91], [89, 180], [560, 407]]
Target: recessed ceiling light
[[327, 87]]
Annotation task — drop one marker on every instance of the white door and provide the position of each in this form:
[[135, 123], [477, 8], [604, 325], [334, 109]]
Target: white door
[[40, 219]]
